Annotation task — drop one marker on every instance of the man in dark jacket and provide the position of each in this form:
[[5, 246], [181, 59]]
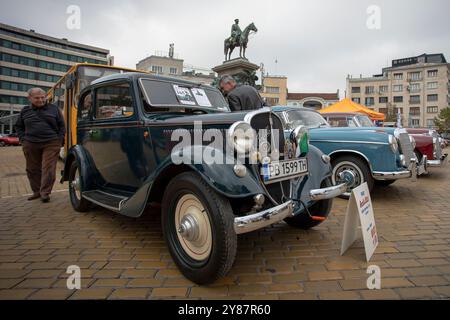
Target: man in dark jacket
[[240, 97], [41, 130]]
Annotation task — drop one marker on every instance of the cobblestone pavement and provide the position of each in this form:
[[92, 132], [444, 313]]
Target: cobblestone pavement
[[123, 258]]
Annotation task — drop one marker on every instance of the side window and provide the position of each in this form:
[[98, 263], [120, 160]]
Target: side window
[[114, 101], [338, 122], [86, 106]]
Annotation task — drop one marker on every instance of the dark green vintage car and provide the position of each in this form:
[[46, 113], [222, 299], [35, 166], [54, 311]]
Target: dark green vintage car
[[147, 139]]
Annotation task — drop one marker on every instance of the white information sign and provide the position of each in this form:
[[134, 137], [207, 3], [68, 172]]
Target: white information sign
[[360, 219], [201, 97]]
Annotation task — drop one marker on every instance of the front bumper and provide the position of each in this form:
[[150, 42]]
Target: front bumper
[[264, 218], [395, 175], [328, 193], [438, 163]]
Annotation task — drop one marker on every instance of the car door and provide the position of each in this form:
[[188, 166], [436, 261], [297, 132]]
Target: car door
[[114, 139]]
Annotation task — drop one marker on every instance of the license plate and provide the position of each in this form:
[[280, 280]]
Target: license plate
[[283, 170]]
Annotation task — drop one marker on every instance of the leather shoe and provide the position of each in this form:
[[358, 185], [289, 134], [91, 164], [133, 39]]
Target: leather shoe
[[45, 198], [34, 196]]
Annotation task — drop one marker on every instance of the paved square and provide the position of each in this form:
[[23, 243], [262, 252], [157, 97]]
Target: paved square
[[123, 258]]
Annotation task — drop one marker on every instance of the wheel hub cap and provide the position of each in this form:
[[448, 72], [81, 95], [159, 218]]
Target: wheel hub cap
[[189, 228]]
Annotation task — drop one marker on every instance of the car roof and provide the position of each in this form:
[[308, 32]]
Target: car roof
[[344, 114], [288, 108], [140, 75]]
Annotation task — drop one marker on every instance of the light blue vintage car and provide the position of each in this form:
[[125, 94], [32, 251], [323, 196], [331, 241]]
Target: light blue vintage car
[[374, 156]]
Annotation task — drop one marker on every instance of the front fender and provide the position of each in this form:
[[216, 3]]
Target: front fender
[[81, 156]]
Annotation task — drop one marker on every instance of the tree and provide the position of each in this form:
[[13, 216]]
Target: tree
[[442, 122]]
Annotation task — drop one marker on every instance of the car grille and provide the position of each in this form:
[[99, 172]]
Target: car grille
[[437, 149], [406, 146], [279, 191]]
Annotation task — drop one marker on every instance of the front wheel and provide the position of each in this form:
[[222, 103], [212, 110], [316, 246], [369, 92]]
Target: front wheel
[[358, 167], [320, 209], [198, 227]]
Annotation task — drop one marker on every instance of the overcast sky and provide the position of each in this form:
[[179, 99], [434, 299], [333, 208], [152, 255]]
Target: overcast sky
[[316, 43]]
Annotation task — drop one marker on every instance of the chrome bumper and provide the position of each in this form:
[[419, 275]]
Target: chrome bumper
[[395, 175], [422, 167], [264, 218], [328, 193], [438, 163]]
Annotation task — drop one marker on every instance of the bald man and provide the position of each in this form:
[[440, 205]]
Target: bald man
[[41, 130]]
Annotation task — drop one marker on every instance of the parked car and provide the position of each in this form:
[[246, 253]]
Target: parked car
[[428, 144], [135, 156], [9, 140], [374, 156]]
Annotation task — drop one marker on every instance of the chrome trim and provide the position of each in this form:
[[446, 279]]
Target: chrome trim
[[355, 152], [248, 117], [393, 175], [264, 218], [328, 193], [345, 141], [438, 163], [422, 168]]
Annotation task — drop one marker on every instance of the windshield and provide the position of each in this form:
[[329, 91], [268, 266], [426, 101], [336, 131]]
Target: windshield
[[171, 94], [365, 121], [304, 118], [89, 74]]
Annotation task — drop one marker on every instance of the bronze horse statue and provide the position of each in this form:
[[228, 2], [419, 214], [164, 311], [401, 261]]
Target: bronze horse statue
[[241, 43]]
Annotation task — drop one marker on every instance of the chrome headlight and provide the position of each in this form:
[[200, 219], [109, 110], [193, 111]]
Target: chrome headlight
[[299, 136], [393, 143], [413, 141], [242, 137]]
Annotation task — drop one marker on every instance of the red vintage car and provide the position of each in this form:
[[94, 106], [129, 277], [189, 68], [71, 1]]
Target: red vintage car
[[428, 148], [9, 140]]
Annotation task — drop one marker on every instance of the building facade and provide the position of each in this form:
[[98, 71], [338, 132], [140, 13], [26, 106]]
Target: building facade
[[417, 87], [29, 59], [314, 101], [274, 90]]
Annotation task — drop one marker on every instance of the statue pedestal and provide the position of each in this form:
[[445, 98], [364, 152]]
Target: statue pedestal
[[241, 69]]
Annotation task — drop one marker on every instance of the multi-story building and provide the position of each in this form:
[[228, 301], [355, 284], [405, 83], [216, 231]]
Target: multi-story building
[[314, 101], [418, 87], [168, 65], [274, 90], [29, 59]]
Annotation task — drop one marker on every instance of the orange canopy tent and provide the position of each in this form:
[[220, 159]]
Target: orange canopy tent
[[347, 105]]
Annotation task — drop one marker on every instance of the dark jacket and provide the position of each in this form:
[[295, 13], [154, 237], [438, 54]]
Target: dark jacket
[[244, 97], [40, 124]]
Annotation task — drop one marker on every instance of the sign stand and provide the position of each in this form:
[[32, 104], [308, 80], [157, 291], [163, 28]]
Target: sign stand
[[360, 213]]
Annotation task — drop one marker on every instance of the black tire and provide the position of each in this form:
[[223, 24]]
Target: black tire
[[217, 209], [359, 167], [79, 203], [320, 209], [384, 183]]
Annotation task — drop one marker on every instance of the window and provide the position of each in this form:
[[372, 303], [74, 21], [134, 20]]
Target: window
[[157, 69], [398, 99], [370, 101], [397, 88], [114, 101], [430, 123], [432, 73], [173, 70], [415, 122], [370, 89], [272, 101], [414, 87], [86, 106], [432, 85], [414, 76], [433, 109], [272, 90], [357, 100], [432, 97], [414, 111], [383, 110], [383, 100], [398, 76], [384, 89], [397, 109], [356, 89], [342, 122], [414, 99]]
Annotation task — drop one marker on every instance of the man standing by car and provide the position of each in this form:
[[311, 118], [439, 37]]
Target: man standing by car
[[240, 97], [41, 130]]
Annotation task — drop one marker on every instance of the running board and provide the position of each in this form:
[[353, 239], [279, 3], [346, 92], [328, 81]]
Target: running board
[[104, 199]]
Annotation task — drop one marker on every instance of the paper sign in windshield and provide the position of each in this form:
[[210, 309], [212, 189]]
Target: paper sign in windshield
[[184, 95], [201, 97]]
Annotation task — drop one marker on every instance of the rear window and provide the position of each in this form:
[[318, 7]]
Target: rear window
[[170, 94]]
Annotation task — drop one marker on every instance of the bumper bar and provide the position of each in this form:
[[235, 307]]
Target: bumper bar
[[264, 218], [328, 193], [438, 163]]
